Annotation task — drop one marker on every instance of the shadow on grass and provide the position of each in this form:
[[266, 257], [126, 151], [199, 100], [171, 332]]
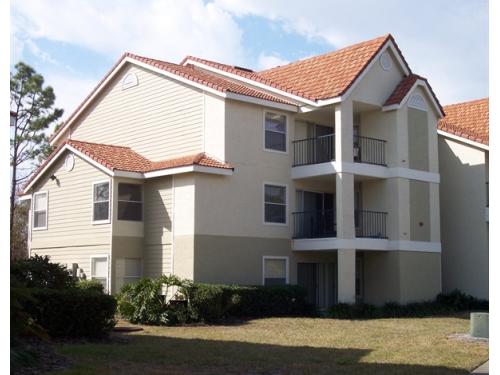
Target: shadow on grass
[[147, 354]]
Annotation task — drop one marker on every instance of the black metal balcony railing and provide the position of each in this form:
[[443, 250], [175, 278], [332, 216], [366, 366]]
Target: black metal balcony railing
[[318, 224], [322, 149], [314, 224], [370, 224], [314, 150], [368, 150]]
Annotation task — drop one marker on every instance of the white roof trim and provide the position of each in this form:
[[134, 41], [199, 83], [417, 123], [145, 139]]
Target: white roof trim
[[55, 157], [464, 140], [388, 44], [127, 174], [425, 85], [176, 77], [263, 102]]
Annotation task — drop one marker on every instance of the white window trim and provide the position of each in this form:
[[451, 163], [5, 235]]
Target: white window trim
[[285, 224], [264, 132], [141, 202], [287, 267], [108, 220], [46, 192], [108, 281]]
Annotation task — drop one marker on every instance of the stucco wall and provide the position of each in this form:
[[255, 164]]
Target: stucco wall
[[420, 219], [464, 231]]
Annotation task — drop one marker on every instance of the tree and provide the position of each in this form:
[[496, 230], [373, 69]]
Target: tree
[[32, 103], [19, 234]]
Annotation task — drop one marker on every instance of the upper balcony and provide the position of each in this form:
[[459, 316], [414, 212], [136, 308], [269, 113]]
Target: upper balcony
[[322, 150]]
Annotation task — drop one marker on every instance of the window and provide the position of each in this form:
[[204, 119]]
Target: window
[[275, 270], [275, 204], [133, 270], [99, 270], [100, 212], [275, 132], [40, 210], [129, 202]]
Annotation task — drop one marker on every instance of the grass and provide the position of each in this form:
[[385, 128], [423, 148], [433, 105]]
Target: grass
[[286, 346]]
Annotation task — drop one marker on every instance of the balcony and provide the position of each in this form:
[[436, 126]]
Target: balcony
[[322, 224], [322, 149]]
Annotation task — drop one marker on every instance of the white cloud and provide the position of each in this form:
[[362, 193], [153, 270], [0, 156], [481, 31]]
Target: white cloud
[[266, 61], [446, 41], [158, 28]]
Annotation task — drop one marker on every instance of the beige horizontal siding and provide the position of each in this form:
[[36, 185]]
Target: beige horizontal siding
[[157, 260], [159, 118], [74, 254], [70, 208], [158, 219]]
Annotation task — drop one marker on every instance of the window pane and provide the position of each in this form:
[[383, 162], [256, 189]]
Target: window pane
[[276, 122], [40, 219], [40, 202], [275, 194], [132, 268], [274, 272], [101, 192], [275, 213], [275, 141], [129, 211], [101, 211], [129, 192], [100, 267]]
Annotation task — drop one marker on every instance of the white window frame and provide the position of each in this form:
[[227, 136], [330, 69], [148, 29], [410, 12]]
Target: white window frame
[[118, 201], [285, 224], [273, 257], [46, 192], [264, 132], [108, 220], [101, 256]]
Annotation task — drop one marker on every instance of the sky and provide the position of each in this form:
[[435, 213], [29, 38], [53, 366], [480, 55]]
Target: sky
[[74, 43]]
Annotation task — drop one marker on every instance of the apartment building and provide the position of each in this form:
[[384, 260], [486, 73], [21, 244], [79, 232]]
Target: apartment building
[[463, 143], [323, 172]]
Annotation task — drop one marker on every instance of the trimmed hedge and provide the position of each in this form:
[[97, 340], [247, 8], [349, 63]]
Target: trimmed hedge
[[94, 285], [73, 312], [443, 304], [39, 272], [141, 302]]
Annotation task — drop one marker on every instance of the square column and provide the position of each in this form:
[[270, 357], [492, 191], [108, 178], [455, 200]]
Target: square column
[[346, 275]]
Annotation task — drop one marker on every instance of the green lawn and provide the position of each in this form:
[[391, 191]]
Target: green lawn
[[286, 346]]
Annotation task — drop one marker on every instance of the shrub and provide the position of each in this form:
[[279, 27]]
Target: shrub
[[38, 272], [142, 302], [72, 312], [94, 285], [443, 304]]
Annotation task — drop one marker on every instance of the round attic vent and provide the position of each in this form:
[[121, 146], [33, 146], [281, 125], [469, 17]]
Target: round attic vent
[[130, 80], [69, 162], [385, 61]]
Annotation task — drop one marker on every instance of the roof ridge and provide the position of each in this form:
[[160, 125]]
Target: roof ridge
[[385, 37], [467, 102]]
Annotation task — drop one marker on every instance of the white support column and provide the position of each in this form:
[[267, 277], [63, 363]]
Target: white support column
[[346, 274], [346, 258]]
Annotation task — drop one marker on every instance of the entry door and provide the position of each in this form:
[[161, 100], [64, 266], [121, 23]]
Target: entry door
[[307, 278], [324, 144]]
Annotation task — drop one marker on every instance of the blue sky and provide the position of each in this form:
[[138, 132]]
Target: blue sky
[[75, 42]]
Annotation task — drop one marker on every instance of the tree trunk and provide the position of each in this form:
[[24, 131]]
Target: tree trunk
[[12, 201]]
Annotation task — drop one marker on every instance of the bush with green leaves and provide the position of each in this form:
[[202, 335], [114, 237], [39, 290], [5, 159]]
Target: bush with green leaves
[[94, 285], [454, 301], [72, 312], [142, 302], [39, 272]]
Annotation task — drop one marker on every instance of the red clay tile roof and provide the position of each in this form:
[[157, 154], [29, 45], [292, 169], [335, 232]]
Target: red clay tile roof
[[329, 75], [405, 86], [125, 159], [468, 120]]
